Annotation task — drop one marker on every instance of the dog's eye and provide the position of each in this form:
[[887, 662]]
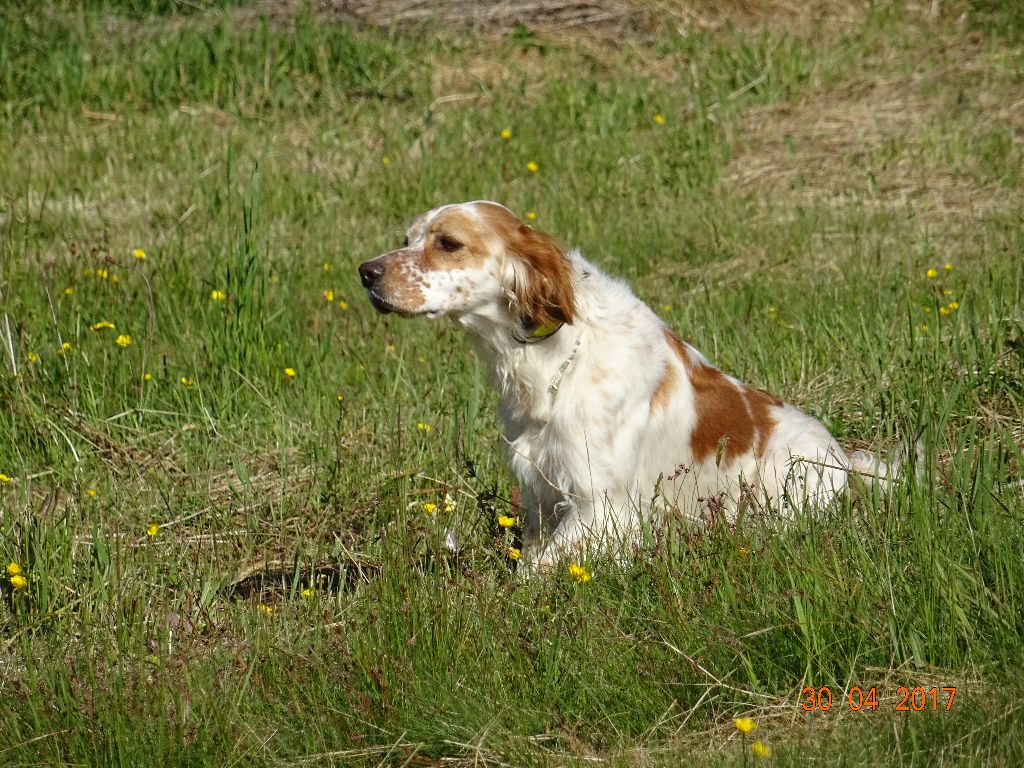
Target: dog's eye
[[405, 241], [447, 244]]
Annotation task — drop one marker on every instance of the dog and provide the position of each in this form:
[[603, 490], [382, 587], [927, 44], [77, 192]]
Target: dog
[[608, 414]]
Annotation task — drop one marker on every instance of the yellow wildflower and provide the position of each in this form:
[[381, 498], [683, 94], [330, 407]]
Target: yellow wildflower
[[948, 267], [19, 582], [531, 215], [68, 291], [147, 376], [532, 167], [932, 272], [340, 397], [123, 340], [263, 608], [449, 503], [102, 324], [954, 305], [308, 592], [429, 508], [327, 266], [139, 254], [947, 291], [4, 478], [513, 553], [944, 311], [386, 160], [328, 295], [926, 309], [745, 724], [659, 119], [187, 381], [761, 749], [578, 572], [289, 372], [506, 133], [506, 522], [924, 328], [91, 493], [217, 295], [342, 304], [153, 529], [65, 347], [13, 569], [102, 274], [33, 357], [422, 425], [744, 552]]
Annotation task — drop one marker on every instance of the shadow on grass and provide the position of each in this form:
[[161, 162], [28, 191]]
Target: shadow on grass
[[277, 580], [274, 581]]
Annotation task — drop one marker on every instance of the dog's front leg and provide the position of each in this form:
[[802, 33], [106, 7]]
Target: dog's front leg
[[565, 538], [584, 527], [558, 531]]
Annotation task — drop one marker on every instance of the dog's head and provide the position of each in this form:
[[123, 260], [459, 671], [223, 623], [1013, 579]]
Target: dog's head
[[474, 259]]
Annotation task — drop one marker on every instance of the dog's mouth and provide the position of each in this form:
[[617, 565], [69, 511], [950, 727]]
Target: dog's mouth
[[385, 307], [379, 303]]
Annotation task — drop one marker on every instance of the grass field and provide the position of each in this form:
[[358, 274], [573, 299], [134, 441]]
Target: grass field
[[227, 481]]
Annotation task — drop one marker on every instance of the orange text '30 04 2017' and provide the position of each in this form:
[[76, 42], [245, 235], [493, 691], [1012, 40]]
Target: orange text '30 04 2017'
[[918, 699]]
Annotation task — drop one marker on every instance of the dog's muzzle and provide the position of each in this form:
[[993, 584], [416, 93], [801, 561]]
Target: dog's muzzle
[[370, 274]]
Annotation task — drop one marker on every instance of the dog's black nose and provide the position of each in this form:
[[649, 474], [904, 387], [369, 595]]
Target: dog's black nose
[[370, 272]]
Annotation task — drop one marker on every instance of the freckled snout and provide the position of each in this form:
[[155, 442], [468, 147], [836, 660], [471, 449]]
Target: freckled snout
[[370, 272]]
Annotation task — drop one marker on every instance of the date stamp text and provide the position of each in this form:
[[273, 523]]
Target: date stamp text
[[917, 699]]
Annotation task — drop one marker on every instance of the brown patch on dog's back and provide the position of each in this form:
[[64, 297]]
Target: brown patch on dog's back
[[679, 346], [726, 411], [663, 392], [761, 403], [722, 414]]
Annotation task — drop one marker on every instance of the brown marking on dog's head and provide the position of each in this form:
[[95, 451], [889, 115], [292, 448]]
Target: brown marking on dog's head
[[448, 253], [459, 257], [395, 282], [544, 290], [455, 239]]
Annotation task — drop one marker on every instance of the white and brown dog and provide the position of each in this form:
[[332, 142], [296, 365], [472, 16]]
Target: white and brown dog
[[609, 416]]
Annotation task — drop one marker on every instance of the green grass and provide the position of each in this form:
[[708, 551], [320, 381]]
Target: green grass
[[784, 216]]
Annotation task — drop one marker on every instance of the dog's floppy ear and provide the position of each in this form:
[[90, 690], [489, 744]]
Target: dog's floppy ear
[[543, 288]]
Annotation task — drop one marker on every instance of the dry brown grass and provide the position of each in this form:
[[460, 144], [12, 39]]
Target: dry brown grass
[[591, 16], [886, 139]]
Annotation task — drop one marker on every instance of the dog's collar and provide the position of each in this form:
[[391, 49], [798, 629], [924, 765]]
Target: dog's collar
[[556, 380], [525, 334]]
